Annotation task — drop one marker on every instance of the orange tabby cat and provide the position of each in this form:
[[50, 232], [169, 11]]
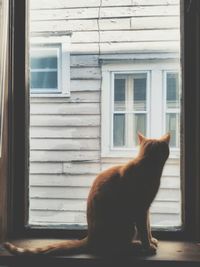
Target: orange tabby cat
[[118, 205]]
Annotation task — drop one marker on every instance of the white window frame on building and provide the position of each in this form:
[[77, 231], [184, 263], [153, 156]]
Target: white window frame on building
[[156, 69], [129, 112], [172, 110], [60, 46]]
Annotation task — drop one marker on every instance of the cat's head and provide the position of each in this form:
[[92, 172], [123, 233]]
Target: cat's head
[[157, 149]]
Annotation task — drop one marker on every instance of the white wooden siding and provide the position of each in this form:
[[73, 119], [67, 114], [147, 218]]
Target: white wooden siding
[[125, 47], [65, 120], [63, 180], [84, 85], [85, 73], [76, 97], [64, 144], [45, 4], [105, 12], [65, 132], [154, 23], [73, 25], [62, 108], [134, 23], [139, 2], [84, 61], [84, 168], [58, 156]]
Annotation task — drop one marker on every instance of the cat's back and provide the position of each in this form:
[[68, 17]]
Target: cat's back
[[106, 182], [115, 177], [108, 176]]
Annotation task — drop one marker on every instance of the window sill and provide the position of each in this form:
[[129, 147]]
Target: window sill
[[169, 252]]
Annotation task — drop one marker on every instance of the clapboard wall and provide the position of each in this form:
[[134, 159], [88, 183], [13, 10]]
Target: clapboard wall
[[65, 142]]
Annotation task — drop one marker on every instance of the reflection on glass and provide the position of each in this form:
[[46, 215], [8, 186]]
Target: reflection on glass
[[119, 94], [41, 59], [139, 89], [44, 64], [119, 130], [172, 90], [139, 125], [173, 126], [44, 79]]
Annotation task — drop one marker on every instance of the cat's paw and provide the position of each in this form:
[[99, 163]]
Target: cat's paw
[[154, 241], [137, 246], [150, 250]]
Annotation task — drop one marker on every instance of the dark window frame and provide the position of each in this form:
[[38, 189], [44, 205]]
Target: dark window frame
[[17, 184]]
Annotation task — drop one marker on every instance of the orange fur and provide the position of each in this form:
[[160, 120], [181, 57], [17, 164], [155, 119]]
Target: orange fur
[[118, 206]]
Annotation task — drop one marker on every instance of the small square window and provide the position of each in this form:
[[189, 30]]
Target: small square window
[[44, 65], [49, 66]]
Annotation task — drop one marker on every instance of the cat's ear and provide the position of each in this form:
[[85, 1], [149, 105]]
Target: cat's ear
[[166, 138], [141, 138]]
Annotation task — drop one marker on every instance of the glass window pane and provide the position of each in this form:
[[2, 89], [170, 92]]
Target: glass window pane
[[173, 126], [139, 92], [172, 90], [119, 94], [119, 130], [41, 59], [44, 80], [109, 87], [140, 122]]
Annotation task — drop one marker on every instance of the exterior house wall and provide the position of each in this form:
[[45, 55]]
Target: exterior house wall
[[65, 132]]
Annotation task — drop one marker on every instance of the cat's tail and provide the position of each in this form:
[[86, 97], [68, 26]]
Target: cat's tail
[[63, 248]]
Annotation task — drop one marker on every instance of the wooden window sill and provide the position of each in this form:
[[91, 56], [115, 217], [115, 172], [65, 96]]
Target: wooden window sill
[[170, 253]]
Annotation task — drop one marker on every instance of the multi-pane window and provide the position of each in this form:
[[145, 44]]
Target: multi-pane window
[[173, 107], [130, 108], [45, 69], [141, 98]]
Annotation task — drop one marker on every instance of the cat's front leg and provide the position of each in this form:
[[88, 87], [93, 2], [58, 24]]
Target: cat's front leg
[[143, 228], [152, 239]]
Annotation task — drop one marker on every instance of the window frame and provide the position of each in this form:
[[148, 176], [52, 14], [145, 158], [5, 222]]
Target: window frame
[[112, 74], [167, 110], [109, 69], [62, 42], [35, 90], [18, 144]]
